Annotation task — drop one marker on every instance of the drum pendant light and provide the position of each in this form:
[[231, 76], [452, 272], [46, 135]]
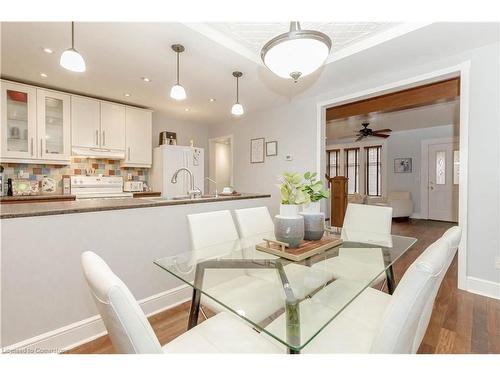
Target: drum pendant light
[[71, 58], [296, 53], [177, 92], [237, 108]]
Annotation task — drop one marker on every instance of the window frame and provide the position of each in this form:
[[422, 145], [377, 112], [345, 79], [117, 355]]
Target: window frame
[[337, 165], [356, 167], [379, 170]]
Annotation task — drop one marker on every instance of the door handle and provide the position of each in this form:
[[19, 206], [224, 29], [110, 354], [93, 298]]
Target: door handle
[[97, 137], [41, 147], [104, 137], [129, 154], [32, 146]]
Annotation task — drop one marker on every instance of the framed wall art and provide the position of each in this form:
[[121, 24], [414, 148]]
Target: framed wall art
[[272, 148], [257, 150], [402, 165]]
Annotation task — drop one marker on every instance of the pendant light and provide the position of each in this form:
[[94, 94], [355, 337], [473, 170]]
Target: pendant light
[[296, 53], [237, 108], [177, 92], [71, 58]]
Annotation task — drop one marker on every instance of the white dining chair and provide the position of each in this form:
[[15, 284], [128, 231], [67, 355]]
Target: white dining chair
[[374, 322], [131, 333], [214, 234], [254, 225]]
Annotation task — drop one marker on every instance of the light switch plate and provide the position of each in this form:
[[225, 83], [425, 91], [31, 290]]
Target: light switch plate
[[288, 157]]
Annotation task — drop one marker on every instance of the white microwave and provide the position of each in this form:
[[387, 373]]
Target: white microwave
[[133, 186]]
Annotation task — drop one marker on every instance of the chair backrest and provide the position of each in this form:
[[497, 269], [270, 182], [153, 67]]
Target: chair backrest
[[211, 228], [397, 195], [452, 238], [254, 222], [367, 224], [401, 323], [127, 326]]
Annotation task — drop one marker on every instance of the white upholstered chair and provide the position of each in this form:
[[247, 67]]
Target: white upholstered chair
[[214, 234], [131, 332], [376, 322], [254, 225]]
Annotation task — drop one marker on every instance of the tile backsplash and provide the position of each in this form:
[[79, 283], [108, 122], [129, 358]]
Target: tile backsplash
[[78, 166]]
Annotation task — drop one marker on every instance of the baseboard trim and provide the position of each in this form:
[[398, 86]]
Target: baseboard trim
[[86, 330], [483, 287]]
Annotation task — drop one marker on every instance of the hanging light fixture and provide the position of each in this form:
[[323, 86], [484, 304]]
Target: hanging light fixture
[[71, 58], [177, 92], [237, 108], [296, 53]]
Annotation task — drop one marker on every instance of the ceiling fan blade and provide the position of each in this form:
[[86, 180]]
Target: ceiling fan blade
[[382, 131], [381, 135], [359, 138]]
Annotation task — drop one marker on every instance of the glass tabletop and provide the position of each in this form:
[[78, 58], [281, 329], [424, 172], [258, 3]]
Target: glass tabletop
[[288, 301]]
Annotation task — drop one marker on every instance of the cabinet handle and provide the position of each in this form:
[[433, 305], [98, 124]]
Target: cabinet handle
[[104, 137], [97, 137], [41, 147], [129, 154], [31, 146]]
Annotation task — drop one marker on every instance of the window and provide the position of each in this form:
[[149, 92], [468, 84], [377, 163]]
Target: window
[[352, 170], [333, 168], [440, 167], [373, 171], [456, 167]]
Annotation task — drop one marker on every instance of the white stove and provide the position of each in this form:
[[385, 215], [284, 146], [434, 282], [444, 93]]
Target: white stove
[[94, 187]]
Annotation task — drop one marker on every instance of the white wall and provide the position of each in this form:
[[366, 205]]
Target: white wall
[[294, 127]]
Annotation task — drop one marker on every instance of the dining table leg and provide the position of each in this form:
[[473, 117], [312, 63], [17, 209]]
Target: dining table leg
[[194, 311], [292, 314], [391, 282]]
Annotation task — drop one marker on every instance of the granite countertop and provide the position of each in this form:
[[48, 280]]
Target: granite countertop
[[11, 211], [40, 197]]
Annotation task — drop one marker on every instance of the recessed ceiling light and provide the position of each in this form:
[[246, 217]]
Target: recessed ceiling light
[[145, 79], [47, 50], [212, 100], [127, 94], [186, 109], [43, 75]]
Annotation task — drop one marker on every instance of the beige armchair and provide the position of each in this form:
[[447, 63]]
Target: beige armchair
[[400, 201]]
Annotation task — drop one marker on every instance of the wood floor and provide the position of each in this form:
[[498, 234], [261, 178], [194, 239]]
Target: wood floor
[[461, 322]]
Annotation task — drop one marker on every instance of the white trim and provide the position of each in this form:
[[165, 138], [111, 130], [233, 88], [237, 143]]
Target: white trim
[[210, 149], [424, 170], [483, 287], [86, 330], [463, 71]]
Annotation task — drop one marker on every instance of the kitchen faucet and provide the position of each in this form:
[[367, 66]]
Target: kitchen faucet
[[193, 192], [215, 183]]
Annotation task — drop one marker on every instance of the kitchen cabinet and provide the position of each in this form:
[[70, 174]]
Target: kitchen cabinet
[[53, 125], [112, 126], [18, 122], [85, 122], [138, 136]]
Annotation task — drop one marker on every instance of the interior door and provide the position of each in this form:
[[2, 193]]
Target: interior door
[[443, 181]]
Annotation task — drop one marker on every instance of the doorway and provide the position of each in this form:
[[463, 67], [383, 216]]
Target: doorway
[[220, 163]]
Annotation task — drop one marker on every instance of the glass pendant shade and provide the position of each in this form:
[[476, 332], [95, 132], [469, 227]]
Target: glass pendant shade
[[237, 109], [177, 92], [296, 53], [72, 60]]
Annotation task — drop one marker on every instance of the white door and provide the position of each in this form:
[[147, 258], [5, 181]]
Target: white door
[[443, 181], [53, 125], [112, 126], [85, 120], [138, 137], [18, 121]]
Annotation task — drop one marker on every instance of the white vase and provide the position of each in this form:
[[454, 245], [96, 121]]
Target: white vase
[[312, 208], [289, 225]]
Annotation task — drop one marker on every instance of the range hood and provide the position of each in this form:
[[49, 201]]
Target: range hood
[[99, 153]]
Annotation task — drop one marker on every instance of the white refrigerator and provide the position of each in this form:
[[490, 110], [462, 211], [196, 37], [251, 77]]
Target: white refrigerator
[[167, 159]]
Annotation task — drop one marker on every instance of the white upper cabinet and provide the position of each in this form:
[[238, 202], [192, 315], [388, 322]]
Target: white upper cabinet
[[138, 125], [53, 125], [112, 126], [18, 122], [85, 122]]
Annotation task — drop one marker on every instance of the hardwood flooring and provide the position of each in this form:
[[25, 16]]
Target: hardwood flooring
[[461, 322]]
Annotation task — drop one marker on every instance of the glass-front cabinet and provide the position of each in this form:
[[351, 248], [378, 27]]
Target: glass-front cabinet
[[54, 138], [18, 116]]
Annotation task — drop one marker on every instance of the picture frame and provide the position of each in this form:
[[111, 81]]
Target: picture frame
[[403, 165], [272, 148], [257, 150]]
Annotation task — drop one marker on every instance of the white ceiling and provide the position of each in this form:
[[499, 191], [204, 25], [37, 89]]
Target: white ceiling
[[416, 118], [119, 54]]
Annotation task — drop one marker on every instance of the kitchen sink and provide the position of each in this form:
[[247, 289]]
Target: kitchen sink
[[179, 197]]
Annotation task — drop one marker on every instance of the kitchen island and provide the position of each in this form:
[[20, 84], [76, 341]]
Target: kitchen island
[[45, 301]]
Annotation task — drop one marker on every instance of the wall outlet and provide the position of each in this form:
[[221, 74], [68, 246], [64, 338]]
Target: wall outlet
[[497, 263], [288, 157]]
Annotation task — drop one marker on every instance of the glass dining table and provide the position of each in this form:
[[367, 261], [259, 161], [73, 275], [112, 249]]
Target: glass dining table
[[290, 302]]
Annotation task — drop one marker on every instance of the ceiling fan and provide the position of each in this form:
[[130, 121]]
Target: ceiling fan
[[367, 132]]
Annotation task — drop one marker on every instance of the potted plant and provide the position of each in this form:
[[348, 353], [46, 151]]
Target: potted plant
[[314, 219], [289, 225]]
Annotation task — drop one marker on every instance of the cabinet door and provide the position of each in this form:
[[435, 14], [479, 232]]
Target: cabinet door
[[53, 125], [138, 137], [18, 121], [85, 118], [112, 126]]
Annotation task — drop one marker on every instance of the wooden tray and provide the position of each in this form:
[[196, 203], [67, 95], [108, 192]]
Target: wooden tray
[[306, 249]]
